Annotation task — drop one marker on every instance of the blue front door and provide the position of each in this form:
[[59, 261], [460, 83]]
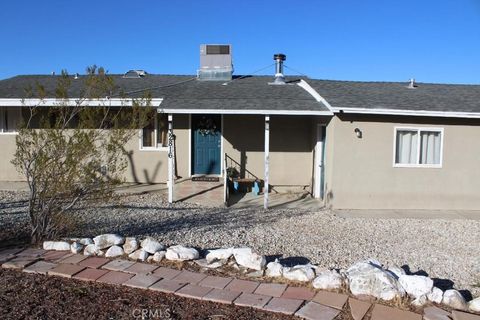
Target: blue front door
[[206, 131]]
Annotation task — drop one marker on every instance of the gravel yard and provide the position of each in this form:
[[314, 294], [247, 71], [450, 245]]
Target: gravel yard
[[445, 249]]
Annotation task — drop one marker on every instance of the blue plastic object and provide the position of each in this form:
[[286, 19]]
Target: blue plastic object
[[256, 188]]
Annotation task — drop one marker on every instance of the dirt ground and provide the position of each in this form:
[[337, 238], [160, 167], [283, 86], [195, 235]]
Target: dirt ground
[[28, 296]]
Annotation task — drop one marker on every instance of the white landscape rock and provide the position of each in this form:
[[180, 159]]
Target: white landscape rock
[[92, 250], [104, 241], [219, 254], [247, 258], [114, 251], [140, 255], [151, 245], [274, 269], [56, 245], [210, 265], [416, 286], [420, 301], [328, 280], [131, 244], [436, 295], [366, 278], [454, 299], [302, 273], [76, 247], [396, 271], [256, 274], [85, 241], [474, 305], [158, 256], [181, 253]]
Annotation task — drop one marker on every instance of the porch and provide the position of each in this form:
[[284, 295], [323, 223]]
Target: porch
[[251, 151], [210, 194]]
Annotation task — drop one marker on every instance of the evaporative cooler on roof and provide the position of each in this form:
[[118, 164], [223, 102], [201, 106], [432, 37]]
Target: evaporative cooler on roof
[[215, 62]]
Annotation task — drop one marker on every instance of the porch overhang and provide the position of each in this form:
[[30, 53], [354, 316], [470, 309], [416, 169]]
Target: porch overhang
[[155, 102], [247, 112]]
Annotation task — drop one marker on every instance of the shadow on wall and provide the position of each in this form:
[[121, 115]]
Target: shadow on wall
[[408, 120], [155, 173], [328, 197], [246, 134], [149, 178]]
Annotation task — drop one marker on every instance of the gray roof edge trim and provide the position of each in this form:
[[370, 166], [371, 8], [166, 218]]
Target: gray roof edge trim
[[71, 102], [404, 112], [247, 111], [314, 93], [118, 102]]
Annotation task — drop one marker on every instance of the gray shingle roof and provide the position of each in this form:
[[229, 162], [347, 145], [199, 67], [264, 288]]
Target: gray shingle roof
[[396, 95], [185, 92], [254, 93]]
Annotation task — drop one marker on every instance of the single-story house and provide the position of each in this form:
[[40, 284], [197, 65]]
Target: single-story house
[[354, 145]]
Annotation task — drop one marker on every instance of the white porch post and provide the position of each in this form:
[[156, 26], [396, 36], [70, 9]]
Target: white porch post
[[267, 151], [171, 154]]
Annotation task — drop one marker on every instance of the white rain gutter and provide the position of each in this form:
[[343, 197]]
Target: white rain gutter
[[417, 113]]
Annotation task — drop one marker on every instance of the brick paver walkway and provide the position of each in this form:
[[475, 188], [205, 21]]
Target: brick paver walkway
[[200, 192], [299, 301]]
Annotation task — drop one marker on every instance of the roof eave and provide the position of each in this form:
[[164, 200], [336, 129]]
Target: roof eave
[[119, 102], [403, 112], [248, 112]]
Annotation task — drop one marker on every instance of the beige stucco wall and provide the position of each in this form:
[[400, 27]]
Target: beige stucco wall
[[152, 166], [7, 150], [292, 140], [360, 172], [143, 166]]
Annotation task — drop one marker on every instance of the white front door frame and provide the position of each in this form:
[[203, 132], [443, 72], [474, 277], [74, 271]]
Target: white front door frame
[[319, 170]]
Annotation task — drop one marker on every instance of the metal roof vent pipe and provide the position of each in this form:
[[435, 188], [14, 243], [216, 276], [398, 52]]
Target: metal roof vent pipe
[[279, 77], [412, 84]]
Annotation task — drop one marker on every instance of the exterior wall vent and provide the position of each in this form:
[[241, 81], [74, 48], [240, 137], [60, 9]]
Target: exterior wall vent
[[135, 74], [215, 62]]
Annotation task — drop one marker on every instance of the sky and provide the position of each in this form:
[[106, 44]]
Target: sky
[[383, 40]]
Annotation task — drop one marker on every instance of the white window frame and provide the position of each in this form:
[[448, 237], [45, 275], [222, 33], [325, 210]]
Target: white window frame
[[419, 130], [156, 147], [2, 121]]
